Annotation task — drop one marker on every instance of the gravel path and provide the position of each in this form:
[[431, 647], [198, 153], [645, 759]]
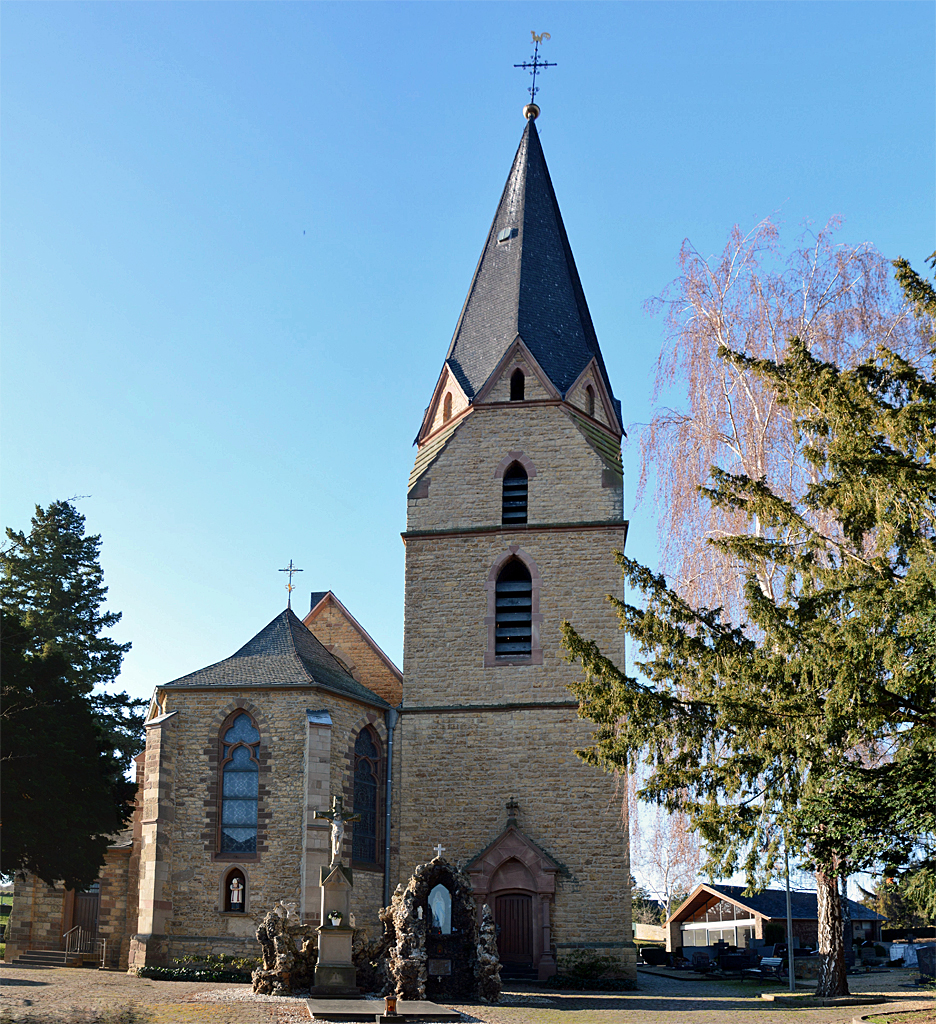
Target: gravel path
[[65, 994]]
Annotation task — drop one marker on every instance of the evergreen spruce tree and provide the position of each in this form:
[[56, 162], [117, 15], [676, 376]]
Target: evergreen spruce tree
[[809, 719], [67, 742]]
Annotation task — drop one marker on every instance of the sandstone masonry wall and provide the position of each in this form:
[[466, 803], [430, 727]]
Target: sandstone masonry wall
[[340, 636], [465, 491]]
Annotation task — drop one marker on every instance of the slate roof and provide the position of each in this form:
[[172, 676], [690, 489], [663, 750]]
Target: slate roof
[[772, 903], [284, 652], [526, 286]]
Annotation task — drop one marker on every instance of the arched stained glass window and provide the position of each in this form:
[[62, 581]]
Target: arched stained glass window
[[240, 780], [366, 775]]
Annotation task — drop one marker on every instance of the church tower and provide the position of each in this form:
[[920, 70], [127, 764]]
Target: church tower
[[515, 504]]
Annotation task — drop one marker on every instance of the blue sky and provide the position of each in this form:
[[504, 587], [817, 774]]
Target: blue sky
[[237, 236]]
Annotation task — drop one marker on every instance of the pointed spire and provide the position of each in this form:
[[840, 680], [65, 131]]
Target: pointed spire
[[526, 285]]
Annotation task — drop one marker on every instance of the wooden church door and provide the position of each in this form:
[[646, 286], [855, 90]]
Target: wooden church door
[[514, 916], [87, 907]]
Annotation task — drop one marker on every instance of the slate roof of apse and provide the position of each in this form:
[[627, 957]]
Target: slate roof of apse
[[528, 287], [772, 903], [283, 652]]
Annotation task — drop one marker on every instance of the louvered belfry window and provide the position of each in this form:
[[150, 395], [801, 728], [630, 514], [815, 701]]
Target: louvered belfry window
[[366, 757], [514, 501], [240, 777], [513, 624]]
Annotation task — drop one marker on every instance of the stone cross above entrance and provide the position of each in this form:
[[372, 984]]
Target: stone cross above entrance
[[439, 850], [338, 818]]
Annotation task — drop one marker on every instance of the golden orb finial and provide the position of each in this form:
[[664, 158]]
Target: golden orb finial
[[531, 111]]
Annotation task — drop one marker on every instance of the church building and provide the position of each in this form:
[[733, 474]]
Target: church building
[[514, 506]]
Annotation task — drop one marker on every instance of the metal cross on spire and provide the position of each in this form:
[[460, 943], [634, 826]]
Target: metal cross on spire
[[292, 570], [535, 64]]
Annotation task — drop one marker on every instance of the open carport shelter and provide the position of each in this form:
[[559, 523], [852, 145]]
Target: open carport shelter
[[722, 913]]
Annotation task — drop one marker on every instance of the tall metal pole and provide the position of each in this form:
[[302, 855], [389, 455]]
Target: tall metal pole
[[789, 918]]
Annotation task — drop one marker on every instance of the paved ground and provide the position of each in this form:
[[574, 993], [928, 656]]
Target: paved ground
[[64, 995]]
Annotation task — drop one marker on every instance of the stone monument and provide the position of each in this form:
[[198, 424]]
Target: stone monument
[[335, 973]]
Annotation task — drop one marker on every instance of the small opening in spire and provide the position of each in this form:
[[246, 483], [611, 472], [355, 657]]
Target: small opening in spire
[[590, 400], [517, 381], [447, 408]]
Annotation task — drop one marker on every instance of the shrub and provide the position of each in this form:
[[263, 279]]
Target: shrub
[[192, 974], [583, 969]]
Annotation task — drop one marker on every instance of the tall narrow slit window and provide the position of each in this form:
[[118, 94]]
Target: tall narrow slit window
[[590, 400], [513, 609], [366, 775], [240, 778], [514, 500], [517, 382], [447, 408]]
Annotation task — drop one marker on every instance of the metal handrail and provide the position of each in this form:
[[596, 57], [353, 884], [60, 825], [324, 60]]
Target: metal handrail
[[67, 939]]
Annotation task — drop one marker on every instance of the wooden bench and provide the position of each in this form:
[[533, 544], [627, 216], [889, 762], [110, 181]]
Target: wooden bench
[[769, 967]]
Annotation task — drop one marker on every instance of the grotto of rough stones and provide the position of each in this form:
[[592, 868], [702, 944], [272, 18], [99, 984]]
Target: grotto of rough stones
[[289, 954], [434, 949]]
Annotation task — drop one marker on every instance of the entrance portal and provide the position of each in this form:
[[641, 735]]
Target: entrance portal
[[514, 916]]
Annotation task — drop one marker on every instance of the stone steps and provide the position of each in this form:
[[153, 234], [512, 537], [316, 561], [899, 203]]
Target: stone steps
[[45, 958]]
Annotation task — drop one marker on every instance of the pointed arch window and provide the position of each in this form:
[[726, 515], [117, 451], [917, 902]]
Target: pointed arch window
[[364, 844], [240, 778], [517, 383], [515, 495], [513, 610], [590, 400]]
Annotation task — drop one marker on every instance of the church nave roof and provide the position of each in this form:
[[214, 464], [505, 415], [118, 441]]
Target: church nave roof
[[284, 652]]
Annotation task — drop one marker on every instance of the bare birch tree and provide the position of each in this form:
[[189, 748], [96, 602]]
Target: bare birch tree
[[841, 300]]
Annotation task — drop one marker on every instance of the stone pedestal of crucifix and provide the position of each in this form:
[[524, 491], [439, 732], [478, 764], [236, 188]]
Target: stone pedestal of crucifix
[[335, 973]]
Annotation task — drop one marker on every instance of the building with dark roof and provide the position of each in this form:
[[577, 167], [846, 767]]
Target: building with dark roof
[[514, 507], [723, 913]]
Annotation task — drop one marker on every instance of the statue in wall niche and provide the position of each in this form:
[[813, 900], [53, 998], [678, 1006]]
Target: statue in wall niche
[[433, 946], [289, 953], [237, 893]]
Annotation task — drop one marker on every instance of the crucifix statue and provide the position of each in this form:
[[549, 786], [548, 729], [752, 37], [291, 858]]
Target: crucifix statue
[[338, 817]]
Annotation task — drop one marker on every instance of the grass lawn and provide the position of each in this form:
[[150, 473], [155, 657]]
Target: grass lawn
[[904, 1017]]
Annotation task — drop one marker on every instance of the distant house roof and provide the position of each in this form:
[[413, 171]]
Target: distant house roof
[[283, 653], [771, 903]]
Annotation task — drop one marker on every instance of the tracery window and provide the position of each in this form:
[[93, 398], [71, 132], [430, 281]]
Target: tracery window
[[366, 776], [515, 494], [517, 381], [240, 779], [513, 625]]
